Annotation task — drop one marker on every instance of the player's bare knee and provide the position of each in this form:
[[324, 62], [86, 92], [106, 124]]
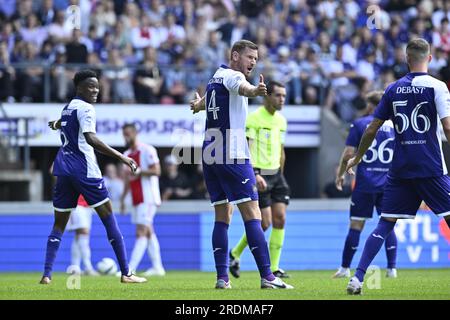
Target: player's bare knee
[[279, 222], [357, 224]]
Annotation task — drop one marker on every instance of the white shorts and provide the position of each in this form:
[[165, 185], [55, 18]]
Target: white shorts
[[80, 218], [143, 214]]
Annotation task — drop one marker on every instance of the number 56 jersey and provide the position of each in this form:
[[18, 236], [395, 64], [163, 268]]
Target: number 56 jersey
[[416, 103], [372, 171]]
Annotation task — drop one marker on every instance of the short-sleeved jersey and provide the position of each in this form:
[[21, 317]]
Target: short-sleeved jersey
[[268, 132], [76, 157], [144, 189], [416, 103], [372, 171], [226, 111]]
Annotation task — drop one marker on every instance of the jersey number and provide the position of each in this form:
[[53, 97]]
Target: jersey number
[[64, 139], [415, 116], [212, 107], [380, 152]]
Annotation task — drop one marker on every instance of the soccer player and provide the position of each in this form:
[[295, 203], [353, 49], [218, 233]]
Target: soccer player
[[81, 221], [266, 131], [78, 173], [415, 103], [370, 179], [144, 185], [227, 170]]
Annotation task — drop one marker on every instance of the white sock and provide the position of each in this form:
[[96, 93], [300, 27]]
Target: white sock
[[85, 249], [75, 254], [138, 252], [154, 252]]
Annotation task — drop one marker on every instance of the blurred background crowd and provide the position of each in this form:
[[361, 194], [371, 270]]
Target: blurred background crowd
[[159, 52]]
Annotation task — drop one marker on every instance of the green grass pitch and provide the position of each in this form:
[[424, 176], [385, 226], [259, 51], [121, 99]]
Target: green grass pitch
[[194, 285]]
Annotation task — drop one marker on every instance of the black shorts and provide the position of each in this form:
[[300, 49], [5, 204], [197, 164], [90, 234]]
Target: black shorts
[[277, 190]]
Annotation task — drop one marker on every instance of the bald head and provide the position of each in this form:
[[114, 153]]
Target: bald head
[[417, 51]]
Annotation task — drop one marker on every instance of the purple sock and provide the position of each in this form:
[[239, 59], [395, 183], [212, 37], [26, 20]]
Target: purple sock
[[350, 247], [373, 245], [220, 249], [258, 246], [53, 242], [391, 249], [116, 239]]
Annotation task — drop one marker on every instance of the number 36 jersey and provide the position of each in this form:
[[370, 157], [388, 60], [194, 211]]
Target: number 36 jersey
[[372, 171], [226, 112], [416, 103], [75, 156]]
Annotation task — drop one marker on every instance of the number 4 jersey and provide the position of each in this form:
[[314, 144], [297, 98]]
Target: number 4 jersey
[[416, 103], [372, 170], [226, 112], [76, 157]]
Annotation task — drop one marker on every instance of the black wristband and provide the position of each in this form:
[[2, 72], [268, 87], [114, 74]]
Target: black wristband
[[257, 171]]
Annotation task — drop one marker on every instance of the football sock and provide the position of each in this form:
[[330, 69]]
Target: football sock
[[350, 247], [258, 246], [75, 254], [140, 245], [275, 245], [239, 248], [53, 242], [116, 240], [85, 250], [373, 245], [220, 249], [391, 249], [154, 251]]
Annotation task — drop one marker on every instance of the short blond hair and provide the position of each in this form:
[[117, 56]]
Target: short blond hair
[[417, 50]]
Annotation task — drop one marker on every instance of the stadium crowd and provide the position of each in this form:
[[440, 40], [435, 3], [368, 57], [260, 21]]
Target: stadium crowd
[[154, 51]]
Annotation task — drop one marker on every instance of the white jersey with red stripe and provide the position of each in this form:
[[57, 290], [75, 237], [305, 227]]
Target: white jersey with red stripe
[[144, 189]]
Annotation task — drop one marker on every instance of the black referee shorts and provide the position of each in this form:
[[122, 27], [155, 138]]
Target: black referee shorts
[[277, 190]]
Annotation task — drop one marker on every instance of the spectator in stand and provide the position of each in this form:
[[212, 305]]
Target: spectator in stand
[[176, 80], [46, 13], [441, 37], [29, 83], [174, 184], [148, 80], [33, 32], [58, 30], [76, 51], [116, 80], [399, 65], [7, 75], [287, 72]]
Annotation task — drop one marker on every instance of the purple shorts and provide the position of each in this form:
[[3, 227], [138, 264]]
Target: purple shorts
[[234, 183], [68, 189], [402, 197], [362, 205]]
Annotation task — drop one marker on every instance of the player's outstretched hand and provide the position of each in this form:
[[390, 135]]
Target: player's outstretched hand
[[261, 88], [53, 124], [350, 164], [196, 103], [339, 182]]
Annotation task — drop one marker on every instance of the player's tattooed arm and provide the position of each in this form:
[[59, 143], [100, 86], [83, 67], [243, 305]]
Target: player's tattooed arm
[[198, 103], [100, 146], [248, 90], [347, 154], [365, 143], [55, 124]]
